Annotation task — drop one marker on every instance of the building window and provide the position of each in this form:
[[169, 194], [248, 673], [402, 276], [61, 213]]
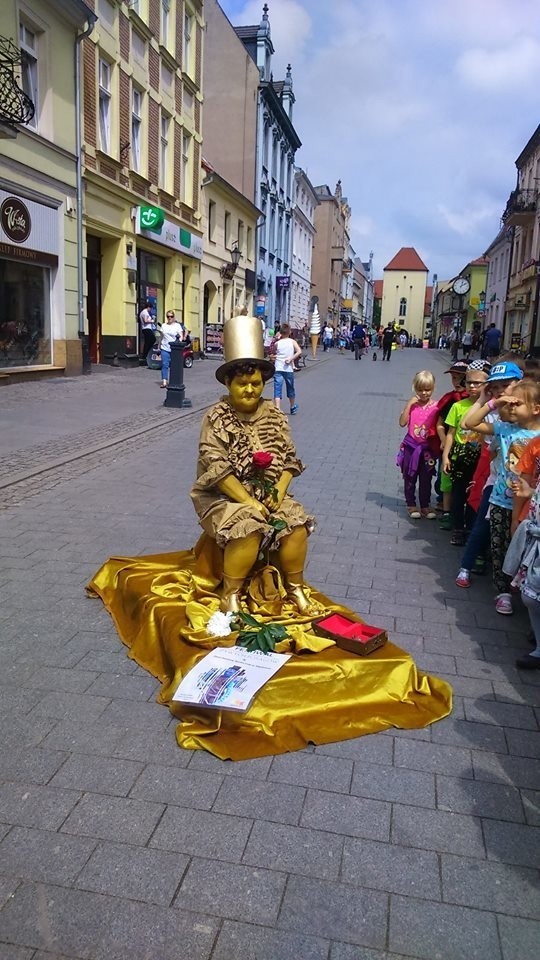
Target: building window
[[249, 244], [164, 150], [138, 45], [107, 14], [188, 27], [211, 219], [403, 307], [227, 237], [136, 124], [241, 236], [166, 79], [104, 106], [25, 298], [187, 103], [29, 68], [186, 156], [165, 10]]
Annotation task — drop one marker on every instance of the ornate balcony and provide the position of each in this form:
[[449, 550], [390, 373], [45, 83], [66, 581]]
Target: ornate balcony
[[520, 207]]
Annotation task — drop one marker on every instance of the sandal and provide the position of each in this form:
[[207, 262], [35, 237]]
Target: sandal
[[428, 513], [458, 538], [414, 513]]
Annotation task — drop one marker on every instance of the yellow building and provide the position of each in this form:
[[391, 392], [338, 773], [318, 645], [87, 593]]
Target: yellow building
[[142, 156], [228, 276], [38, 228], [404, 292]]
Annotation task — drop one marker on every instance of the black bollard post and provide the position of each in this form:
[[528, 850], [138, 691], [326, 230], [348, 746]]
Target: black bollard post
[[176, 391]]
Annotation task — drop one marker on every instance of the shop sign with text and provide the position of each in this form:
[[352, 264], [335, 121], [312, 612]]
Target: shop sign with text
[[151, 222], [28, 229]]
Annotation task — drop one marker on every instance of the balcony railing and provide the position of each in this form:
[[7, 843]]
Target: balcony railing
[[521, 205]]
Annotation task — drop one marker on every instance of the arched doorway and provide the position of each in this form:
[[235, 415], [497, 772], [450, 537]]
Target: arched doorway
[[212, 323]]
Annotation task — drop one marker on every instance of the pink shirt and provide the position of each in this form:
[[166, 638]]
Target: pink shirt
[[422, 420]]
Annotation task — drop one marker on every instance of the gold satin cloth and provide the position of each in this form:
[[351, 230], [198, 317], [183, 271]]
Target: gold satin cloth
[[160, 605]]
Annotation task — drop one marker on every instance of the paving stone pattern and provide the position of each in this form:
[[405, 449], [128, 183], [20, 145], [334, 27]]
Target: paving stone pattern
[[114, 843]]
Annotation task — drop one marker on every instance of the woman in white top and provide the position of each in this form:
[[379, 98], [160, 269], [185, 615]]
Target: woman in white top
[[286, 351], [169, 331]]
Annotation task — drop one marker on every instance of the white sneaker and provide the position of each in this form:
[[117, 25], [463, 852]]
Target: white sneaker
[[503, 604]]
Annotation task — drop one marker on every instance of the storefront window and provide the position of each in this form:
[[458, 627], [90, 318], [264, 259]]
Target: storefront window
[[25, 323], [151, 284]]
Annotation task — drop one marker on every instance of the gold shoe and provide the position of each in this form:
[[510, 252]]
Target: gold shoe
[[230, 595], [295, 591]]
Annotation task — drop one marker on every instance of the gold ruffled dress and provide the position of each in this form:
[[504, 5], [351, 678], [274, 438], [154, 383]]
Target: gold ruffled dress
[[161, 605], [228, 441]]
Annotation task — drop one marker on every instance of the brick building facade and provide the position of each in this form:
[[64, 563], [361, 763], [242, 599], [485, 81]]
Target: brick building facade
[[142, 162]]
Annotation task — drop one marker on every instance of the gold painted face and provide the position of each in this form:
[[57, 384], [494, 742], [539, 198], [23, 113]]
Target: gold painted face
[[245, 391]]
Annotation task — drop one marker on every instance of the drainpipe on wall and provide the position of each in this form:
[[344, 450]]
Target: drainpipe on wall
[[83, 336]]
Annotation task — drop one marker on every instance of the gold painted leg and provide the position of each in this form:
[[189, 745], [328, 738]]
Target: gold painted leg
[[230, 595], [294, 584], [239, 556]]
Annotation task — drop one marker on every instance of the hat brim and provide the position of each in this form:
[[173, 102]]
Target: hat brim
[[266, 368]]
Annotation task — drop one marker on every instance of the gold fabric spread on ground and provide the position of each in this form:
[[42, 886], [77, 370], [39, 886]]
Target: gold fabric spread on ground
[[160, 605]]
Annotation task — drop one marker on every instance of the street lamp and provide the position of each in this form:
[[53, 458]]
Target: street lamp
[[228, 270]]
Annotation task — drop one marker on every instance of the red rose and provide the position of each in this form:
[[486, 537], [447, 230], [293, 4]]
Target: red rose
[[261, 460]]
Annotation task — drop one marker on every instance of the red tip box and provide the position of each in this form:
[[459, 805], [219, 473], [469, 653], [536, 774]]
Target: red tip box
[[349, 634]]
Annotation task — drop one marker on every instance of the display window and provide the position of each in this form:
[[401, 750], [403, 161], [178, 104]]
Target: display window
[[151, 271], [25, 316]]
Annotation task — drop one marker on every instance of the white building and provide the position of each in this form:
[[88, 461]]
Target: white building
[[499, 254], [305, 201]]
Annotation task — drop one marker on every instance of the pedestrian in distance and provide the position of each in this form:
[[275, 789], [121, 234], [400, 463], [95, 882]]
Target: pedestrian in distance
[[148, 328], [467, 345], [328, 336], [286, 352], [417, 457], [388, 338], [492, 341], [359, 340], [170, 330]]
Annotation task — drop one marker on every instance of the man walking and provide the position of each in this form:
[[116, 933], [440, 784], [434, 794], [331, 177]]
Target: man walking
[[359, 340], [467, 345], [148, 328], [388, 338], [492, 341]]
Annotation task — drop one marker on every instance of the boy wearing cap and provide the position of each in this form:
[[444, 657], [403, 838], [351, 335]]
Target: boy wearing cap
[[502, 378], [458, 392], [462, 449]]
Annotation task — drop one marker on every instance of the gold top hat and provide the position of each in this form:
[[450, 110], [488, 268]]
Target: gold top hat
[[243, 341]]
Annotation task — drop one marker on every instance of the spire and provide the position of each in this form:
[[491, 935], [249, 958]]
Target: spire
[[264, 26], [287, 83], [265, 48]]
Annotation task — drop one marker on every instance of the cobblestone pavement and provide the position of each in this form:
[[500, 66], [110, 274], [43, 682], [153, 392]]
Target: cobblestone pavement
[[115, 843]]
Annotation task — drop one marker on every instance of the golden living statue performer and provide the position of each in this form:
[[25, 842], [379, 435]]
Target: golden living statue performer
[[251, 557], [239, 428]]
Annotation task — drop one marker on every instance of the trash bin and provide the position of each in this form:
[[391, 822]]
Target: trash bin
[[196, 345]]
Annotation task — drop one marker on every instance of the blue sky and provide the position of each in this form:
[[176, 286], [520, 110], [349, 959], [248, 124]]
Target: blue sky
[[420, 107]]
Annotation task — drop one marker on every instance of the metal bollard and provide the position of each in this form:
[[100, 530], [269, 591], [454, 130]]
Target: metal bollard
[[176, 391]]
